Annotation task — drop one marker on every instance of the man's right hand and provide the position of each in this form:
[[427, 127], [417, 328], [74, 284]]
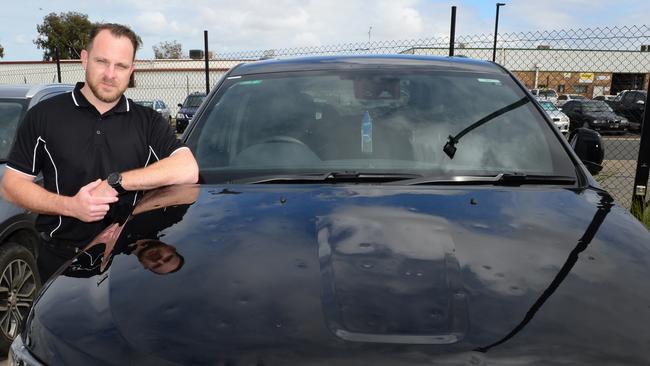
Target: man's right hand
[[87, 207]]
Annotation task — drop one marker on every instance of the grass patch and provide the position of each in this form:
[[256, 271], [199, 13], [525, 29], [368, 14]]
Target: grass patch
[[642, 214]]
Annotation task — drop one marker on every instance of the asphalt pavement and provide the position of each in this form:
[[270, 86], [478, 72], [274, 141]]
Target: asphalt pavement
[[619, 166]]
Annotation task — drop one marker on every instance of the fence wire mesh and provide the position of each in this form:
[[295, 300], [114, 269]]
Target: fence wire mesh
[[590, 62]]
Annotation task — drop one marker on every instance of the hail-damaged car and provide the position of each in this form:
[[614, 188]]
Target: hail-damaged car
[[377, 210]]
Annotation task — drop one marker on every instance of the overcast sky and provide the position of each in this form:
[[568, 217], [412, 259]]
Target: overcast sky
[[248, 25]]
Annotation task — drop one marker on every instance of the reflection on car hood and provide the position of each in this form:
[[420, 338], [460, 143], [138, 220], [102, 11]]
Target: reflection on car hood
[[324, 274]]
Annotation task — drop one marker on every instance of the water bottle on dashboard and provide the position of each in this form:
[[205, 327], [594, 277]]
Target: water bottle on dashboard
[[366, 133]]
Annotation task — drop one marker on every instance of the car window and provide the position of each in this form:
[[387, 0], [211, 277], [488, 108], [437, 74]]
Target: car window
[[193, 101], [596, 106], [639, 96], [145, 103], [628, 97], [11, 113], [548, 93], [562, 97], [548, 106], [364, 121]]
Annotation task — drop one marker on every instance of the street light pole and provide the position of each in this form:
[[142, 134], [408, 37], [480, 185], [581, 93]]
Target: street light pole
[[496, 29]]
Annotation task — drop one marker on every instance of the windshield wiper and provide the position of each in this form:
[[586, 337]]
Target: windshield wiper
[[502, 179], [450, 146], [329, 177]]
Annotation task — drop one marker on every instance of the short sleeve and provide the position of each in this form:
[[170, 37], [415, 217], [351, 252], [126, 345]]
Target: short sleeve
[[162, 138], [27, 151]]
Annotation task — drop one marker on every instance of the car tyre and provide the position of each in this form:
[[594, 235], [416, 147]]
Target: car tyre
[[19, 285]]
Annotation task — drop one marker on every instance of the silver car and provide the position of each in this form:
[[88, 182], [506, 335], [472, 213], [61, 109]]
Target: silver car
[[560, 119], [157, 105]]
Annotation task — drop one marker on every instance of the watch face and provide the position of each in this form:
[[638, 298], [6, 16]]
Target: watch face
[[113, 179]]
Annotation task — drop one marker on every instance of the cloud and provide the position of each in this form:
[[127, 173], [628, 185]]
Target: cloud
[[21, 39], [156, 24]]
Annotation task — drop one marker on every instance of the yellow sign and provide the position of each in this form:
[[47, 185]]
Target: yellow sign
[[586, 77]]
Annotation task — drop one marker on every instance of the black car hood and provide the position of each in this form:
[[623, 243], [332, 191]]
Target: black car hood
[[365, 275]]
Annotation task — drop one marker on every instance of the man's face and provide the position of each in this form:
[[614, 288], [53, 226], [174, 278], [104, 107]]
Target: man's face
[[108, 65], [160, 259]]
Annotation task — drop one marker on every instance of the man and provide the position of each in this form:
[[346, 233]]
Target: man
[[92, 146]]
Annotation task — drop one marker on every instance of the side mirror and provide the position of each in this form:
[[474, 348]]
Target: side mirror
[[588, 145], [180, 105]]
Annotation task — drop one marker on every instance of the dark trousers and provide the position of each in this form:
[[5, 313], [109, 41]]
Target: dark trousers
[[51, 256]]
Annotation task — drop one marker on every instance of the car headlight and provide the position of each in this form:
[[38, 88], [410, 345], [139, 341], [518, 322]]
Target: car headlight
[[598, 121], [19, 355], [181, 116]]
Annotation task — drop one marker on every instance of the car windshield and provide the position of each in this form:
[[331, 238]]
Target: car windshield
[[548, 106], [374, 122], [548, 93], [145, 103], [597, 106], [193, 101], [577, 97], [10, 114]]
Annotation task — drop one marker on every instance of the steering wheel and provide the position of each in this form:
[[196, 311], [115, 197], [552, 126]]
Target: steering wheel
[[283, 138]]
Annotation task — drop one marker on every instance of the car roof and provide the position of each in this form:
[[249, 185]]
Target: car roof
[[361, 62], [29, 90]]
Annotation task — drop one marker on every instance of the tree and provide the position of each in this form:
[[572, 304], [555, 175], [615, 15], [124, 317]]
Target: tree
[[2, 51], [66, 31], [167, 50]]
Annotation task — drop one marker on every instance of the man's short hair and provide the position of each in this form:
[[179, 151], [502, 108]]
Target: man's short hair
[[116, 30]]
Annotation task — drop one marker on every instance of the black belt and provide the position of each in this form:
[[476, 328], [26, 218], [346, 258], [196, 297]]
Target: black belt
[[59, 244]]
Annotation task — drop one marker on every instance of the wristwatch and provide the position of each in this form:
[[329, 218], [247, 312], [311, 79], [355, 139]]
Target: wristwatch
[[115, 181]]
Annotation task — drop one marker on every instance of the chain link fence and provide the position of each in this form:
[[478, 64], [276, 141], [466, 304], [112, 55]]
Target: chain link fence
[[592, 62]]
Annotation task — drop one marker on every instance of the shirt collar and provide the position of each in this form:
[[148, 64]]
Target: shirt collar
[[122, 106]]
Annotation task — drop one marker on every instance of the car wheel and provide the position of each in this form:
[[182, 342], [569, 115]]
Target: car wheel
[[19, 284]]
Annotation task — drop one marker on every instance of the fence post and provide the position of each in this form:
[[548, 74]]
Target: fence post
[[643, 162], [452, 32], [58, 63], [207, 65]]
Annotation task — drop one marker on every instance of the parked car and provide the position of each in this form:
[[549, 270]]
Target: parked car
[[606, 98], [560, 119], [562, 99], [19, 280], [157, 105], [631, 104], [187, 110], [594, 114], [358, 211], [545, 94]]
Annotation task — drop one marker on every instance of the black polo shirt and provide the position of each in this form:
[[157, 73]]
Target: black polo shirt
[[67, 140]]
